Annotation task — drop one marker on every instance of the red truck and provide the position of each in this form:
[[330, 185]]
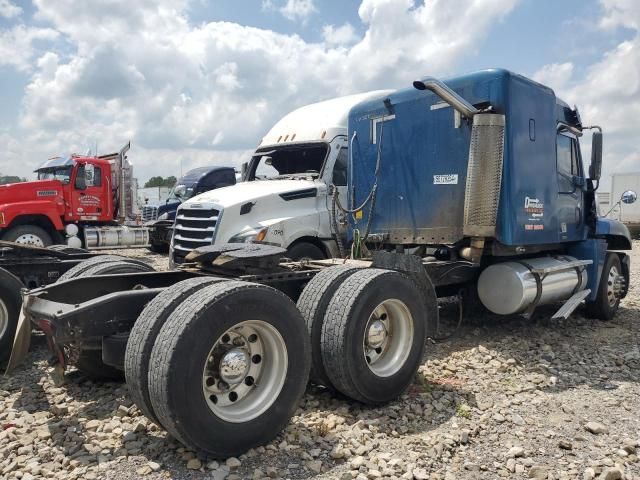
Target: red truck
[[81, 201]]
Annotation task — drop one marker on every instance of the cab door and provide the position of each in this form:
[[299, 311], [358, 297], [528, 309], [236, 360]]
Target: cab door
[[571, 185], [87, 202], [335, 176]]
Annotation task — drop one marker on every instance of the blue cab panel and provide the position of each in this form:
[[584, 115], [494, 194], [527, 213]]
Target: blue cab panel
[[423, 153]]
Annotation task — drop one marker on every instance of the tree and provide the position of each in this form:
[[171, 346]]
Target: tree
[[4, 179], [161, 182]]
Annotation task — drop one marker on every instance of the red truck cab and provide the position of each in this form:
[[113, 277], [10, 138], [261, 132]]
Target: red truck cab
[[74, 189]]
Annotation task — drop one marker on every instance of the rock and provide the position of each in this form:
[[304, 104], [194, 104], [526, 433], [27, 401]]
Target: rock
[[194, 464], [154, 466], [589, 474], [233, 463], [146, 470], [315, 466], [464, 436], [357, 462], [611, 473], [515, 452], [373, 474], [511, 465], [122, 411], [565, 445], [519, 468], [596, 428], [92, 424], [420, 474], [538, 472]]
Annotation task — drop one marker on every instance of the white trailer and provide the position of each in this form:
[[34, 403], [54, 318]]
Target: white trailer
[[626, 213]]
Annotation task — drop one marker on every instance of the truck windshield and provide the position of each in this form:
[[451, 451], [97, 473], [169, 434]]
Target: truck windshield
[[55, 173], [300, 161], [184, 193]]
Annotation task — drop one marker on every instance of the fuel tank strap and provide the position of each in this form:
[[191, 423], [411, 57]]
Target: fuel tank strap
[[538, 278]]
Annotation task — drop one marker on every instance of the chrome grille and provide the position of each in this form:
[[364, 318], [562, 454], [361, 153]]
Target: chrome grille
[[194, 227], [149, 213]]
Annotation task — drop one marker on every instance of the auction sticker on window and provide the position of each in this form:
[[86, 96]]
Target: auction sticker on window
[[450, 179]]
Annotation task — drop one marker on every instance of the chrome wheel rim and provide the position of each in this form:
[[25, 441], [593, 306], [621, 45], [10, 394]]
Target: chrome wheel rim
[[30, 239], [614, 286], [388, 337], [245, 371], [4, 319]]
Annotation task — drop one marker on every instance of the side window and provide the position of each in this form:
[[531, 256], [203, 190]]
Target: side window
[[567, 163], [97, 177], [340, 168]]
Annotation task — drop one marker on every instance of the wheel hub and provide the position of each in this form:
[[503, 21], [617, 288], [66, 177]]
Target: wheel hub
[[377, 334], [615, 286], [30, 239], [234, 366], [244, 371]]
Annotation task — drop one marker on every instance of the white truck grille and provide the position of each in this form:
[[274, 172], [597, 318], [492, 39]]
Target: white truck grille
[[194, 227]]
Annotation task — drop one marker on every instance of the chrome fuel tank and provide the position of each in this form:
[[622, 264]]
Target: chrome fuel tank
[[510, 287]]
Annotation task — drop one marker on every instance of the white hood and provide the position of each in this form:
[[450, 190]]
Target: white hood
[[246, 191]]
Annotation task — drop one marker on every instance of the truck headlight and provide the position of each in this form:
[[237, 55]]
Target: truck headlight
[[254, 235], [164, 216]]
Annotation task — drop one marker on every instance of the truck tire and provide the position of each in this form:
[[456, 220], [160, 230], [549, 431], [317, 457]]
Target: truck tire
[[607, 301], [305, 251], [112, 268], [254, 340], [10, 303], [79, 269], [313, 303], [91, 365], [90, 361], [28, 235], [374, 334], [143, 336], [159, 247]]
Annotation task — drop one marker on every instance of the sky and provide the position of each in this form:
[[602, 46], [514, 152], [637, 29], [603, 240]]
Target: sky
[[196, 82]]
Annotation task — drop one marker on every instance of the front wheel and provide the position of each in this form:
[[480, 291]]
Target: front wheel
[[229, 367], [31, 235], [305, 251], [610, 289]]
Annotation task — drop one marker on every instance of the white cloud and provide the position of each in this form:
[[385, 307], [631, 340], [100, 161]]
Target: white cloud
[[342, 35], [210, 91], [556, 74], [608, 93], [298, 10], [17, 47], [9, 10]]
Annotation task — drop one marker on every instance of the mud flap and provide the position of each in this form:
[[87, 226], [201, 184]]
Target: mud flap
[[21, 343]]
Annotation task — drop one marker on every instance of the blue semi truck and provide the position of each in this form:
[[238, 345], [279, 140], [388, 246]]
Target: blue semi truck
[[472, 187], [160, 218]]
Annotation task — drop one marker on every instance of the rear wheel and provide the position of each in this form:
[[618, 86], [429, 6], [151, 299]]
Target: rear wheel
[[313, 304], [79, 269], [373, 335], [28, 235], [90, 361], [10, 303], [610, 289], [229, 367], [143, 336]]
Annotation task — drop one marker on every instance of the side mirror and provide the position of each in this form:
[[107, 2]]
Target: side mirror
[[595, 169], [629, 197], [180, 191]]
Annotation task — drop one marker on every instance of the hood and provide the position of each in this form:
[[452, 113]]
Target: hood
[[250, 191], [26, 191]]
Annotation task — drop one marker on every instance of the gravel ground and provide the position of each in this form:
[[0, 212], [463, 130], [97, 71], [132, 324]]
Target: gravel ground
[[504, 398]]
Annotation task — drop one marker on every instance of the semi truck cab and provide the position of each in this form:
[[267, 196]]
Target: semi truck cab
[[286, 198], [159, 218]]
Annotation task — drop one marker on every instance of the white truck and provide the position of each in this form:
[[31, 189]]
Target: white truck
[[627, 213], [286, 198]]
